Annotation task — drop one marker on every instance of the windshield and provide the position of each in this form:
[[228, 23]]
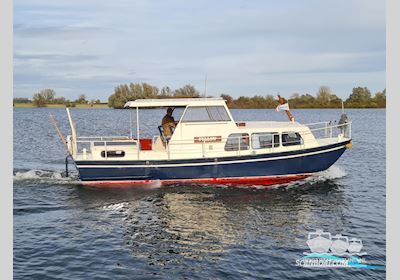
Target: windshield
[[206, 114]]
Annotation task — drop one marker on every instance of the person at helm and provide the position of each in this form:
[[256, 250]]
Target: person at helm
[[168, 123]]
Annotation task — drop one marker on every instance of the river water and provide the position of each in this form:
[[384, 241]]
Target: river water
[[65, 231]]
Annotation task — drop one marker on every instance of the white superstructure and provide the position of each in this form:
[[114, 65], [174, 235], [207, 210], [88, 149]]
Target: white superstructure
[[205, 129]]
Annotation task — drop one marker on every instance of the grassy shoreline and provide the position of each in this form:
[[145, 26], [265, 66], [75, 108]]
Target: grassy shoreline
[[89, 106]]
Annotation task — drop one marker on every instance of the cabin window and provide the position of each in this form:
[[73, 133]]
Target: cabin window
[[113, 154], [196, 114], [206, 114], [264, 140], [237, 141], [291, 139], [218, 113]]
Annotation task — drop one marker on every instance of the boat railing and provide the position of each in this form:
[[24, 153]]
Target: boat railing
[[236, 145], [326, 129], [317, 123], [102, 138], [87, 143]]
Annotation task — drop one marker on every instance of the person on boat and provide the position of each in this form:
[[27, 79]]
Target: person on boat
[[168, 123]]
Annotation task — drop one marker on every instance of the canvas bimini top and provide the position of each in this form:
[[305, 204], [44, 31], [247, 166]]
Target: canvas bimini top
[[175, 102]]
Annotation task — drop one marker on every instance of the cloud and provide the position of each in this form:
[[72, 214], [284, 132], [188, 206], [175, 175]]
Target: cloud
[[47, 32], [244, 46], [292, 63], [52, 57]]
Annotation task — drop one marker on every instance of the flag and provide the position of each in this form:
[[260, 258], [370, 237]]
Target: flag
[[283, 107]]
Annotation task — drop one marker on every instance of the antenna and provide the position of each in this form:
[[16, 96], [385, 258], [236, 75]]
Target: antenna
[[342, 107], [205, 86]]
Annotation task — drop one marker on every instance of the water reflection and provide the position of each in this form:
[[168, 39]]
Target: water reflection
[[199, 222], [285, 215], [169, 225]]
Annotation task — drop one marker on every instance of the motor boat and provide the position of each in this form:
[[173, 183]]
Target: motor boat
[[207, 146], [355, 245], [340, 244], [319, 241]]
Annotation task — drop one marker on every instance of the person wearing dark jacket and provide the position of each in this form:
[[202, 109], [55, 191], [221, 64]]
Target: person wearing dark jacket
[[168, 123]]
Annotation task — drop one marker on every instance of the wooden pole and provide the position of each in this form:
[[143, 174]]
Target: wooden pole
[[290, 116], [60, 134]]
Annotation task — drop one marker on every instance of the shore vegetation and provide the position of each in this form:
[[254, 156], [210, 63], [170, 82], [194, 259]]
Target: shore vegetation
[[360, 97]]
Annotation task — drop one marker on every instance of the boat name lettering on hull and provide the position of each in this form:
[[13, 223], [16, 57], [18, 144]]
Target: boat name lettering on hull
[[207, 139]]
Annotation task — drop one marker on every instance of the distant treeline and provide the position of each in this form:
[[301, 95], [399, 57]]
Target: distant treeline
[[128, 92], [360, 97], [48, 96]]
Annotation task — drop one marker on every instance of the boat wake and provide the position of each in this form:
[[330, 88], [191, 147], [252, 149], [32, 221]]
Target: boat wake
[[42, 176], [58, 177], [333, 173]]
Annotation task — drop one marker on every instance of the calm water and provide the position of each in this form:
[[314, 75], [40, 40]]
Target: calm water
[[65, 231]]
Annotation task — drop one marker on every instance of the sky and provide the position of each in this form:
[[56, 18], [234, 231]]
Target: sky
[[244, 47]]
